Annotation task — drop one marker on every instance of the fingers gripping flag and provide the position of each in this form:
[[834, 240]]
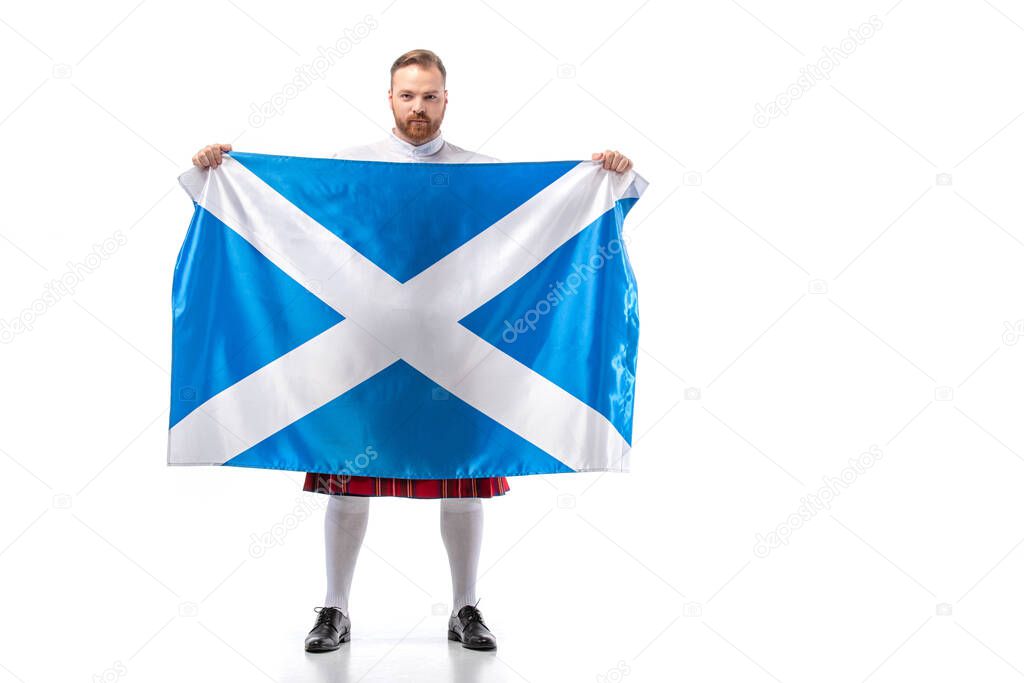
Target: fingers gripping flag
[[423, 321]]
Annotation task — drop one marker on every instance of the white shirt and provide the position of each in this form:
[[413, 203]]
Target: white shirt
[[394, 148]]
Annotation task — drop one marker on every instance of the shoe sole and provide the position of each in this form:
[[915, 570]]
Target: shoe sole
[[344, 639], [452, 635]]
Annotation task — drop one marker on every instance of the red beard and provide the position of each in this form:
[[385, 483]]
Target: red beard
[[417, 131]]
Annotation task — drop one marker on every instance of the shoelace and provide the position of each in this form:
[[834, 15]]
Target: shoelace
[[323, 616], [472, 614]]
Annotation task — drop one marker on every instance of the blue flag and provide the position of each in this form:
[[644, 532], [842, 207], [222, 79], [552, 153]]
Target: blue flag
[[423, 321]]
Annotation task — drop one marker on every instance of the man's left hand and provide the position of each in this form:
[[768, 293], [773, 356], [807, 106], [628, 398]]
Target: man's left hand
[[613, 160]]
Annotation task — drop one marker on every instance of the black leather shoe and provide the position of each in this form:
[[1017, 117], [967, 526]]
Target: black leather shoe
[[332, 628], [468, 628]]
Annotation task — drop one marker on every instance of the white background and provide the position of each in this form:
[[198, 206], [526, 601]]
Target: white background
[[846, 277]]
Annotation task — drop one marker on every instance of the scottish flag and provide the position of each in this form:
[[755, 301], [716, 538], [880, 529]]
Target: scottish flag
[[424, 321]]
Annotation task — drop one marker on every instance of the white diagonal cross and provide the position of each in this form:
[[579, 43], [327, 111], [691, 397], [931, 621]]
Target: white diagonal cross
[[416, 321]]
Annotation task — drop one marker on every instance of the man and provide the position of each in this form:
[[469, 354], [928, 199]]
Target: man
[[418, 100]]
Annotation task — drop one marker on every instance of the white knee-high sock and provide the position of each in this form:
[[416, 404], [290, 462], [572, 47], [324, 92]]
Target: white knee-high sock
[[462, 530], [344, 529]]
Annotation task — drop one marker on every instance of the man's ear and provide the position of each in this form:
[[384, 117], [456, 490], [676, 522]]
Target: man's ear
[[446, 98]]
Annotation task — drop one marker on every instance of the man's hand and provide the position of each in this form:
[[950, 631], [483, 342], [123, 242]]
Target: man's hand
[[613, 161], [210, 156]]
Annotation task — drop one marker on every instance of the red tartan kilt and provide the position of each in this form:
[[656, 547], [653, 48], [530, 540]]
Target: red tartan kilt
[[481, 487]]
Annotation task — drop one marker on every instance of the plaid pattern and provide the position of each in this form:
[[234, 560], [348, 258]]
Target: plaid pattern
[[341, 484]]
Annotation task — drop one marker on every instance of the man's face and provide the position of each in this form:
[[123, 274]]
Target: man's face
[[418, 100]]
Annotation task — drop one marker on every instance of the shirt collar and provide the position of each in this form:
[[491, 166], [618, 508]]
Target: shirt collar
[[424, 150]]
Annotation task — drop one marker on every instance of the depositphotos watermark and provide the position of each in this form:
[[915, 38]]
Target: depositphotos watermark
[[1012, 332], [112, 673], [58, 288], [812, 504], [817, 71], [616, 673], [304, 506], [560, 291], [307, 74]]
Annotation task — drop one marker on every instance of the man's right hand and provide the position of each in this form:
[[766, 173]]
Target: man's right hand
[[210, 156]]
